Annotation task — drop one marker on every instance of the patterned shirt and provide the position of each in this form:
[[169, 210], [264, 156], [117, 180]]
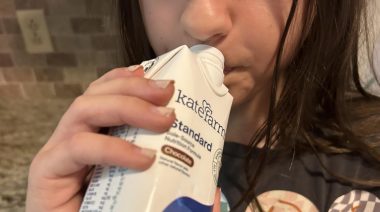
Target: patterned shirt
[[297, 182]]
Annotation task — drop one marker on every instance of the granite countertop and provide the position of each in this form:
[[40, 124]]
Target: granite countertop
[[25, 127]]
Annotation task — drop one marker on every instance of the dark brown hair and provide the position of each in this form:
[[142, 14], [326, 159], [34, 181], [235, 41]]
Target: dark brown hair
[[315, 110], [134, 41]]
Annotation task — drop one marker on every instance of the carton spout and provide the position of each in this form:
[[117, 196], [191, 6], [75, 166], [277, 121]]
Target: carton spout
[[213, 62]]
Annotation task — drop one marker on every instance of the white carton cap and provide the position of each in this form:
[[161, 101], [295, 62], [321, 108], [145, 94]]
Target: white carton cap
[[213, 60]]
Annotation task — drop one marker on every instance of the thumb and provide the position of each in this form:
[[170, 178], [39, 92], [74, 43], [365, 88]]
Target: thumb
[[216, 207]]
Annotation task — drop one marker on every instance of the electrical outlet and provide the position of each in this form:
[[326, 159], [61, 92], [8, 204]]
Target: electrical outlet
[[34, 30]]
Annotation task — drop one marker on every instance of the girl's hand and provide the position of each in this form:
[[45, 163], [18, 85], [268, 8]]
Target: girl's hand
[[122, 96]]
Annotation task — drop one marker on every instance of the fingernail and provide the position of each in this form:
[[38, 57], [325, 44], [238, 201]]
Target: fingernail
[[165, 111], [150, 153], [133, 68], [161, 83]]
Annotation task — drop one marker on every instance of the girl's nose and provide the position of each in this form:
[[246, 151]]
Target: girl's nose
[[206, 20]]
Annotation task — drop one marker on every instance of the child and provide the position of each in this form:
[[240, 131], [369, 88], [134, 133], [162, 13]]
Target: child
[[289, 144]]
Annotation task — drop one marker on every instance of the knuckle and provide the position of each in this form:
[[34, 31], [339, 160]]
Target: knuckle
[[79, 104], [75, 144], [118, 72], [39, 165], [35, 165], [92, 84]]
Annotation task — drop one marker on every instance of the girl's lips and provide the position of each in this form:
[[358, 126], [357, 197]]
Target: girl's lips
[[227, 70]]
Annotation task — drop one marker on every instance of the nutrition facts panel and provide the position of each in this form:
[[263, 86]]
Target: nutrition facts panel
[[105, 187], [107, 181]]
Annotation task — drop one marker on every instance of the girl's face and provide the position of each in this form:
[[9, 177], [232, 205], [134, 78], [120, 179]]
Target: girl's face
[[246, 31]]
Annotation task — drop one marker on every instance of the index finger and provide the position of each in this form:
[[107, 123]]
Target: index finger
[[135, 70]]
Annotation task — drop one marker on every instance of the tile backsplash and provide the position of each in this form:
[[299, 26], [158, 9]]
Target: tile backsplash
[[83, 37]]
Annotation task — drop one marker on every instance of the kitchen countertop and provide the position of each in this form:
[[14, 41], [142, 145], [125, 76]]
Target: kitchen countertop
[[25, 127]]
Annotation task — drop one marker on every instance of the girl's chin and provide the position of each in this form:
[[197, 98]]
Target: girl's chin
[[239, 97], [241, 92]]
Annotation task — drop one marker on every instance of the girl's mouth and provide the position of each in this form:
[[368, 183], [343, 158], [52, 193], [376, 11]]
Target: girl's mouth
[[227, 70]]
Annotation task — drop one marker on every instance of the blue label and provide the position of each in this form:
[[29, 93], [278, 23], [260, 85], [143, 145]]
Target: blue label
[[186, 204]]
